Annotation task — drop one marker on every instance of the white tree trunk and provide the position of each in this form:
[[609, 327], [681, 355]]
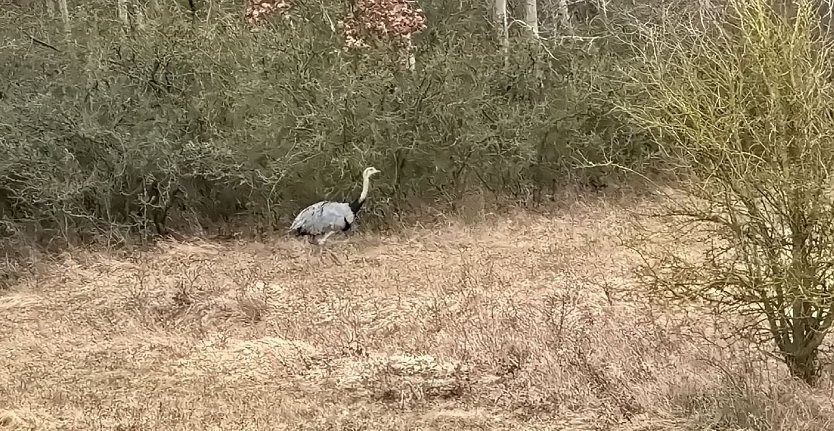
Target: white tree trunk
[[121, 5], [503, 33], [409, 58], [531, 16], [564, 16], [62, 5], [139, 17]]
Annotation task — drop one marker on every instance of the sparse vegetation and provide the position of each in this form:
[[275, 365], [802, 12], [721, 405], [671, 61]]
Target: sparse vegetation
[[486, 329], [125, 121], [741, 104]]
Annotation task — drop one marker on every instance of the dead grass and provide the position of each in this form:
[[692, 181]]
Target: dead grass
[[512, 322]]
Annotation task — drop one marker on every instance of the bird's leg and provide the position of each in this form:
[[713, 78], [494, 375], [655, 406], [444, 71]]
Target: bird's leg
[[324, 239], [329, 252]]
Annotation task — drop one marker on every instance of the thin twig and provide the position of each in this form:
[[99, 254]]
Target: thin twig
[[41, 43]]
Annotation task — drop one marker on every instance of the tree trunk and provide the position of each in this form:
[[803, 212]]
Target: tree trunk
[[121, 6], [531, 16], [503, 34], [409, 60], [62, 5], [564, 16], [804, 367], [139, 17]]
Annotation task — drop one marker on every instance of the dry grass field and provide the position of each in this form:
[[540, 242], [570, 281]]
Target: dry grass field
[[507, 322]]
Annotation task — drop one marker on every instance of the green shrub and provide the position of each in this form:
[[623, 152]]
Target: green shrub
[[186, 121]]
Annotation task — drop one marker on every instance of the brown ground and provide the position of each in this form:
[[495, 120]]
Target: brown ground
[[500, 324]]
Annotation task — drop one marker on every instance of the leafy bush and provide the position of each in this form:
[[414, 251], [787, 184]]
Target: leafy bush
[[185, 120]]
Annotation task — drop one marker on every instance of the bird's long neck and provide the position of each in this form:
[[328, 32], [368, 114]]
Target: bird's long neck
[[357, 204]]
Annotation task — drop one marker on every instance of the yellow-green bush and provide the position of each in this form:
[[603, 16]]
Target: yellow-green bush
[[740, 102]]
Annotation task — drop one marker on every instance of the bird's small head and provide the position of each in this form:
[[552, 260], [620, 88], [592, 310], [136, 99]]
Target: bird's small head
[[370, 171]]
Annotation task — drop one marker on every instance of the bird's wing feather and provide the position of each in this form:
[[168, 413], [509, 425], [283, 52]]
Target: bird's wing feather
[[303, 215], [323, 217]]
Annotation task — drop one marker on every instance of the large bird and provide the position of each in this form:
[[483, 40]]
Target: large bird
[[325, 218]]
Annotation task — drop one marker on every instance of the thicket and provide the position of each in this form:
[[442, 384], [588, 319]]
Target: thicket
[[190, 120]]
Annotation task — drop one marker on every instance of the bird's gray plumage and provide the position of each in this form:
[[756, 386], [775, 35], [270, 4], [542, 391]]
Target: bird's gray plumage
[[323, 217], [327, 217]]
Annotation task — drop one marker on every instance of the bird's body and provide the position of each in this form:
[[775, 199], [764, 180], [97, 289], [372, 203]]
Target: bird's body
[[323, 217], [327, 217]]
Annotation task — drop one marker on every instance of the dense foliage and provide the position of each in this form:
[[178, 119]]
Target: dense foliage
[[188, 119]]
